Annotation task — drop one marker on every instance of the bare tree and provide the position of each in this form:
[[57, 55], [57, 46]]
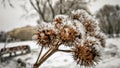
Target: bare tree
[[66, 6], [109, 19], [47, 9], [40, 6]]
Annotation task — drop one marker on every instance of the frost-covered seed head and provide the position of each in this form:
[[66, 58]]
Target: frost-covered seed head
[[58, 20], [86, 56], [90, 27], [44, 37], [68, 34], [89, 43]]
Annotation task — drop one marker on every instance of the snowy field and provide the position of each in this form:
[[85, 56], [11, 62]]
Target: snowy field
[[110, 58]]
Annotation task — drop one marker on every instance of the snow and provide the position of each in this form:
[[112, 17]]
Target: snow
[[32, 44], [64, 60]]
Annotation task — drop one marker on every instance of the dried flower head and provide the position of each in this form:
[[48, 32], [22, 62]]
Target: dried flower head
[[58, 20], [44, 37], [86, 19], [101, 38], [88, 42], [79, 15], [75, 16], [86, 56], [90, 27], [67, 33]]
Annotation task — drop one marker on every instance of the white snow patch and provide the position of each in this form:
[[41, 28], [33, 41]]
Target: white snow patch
[[63, 60]]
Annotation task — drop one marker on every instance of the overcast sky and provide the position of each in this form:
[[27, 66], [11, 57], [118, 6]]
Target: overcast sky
[[10, 18]]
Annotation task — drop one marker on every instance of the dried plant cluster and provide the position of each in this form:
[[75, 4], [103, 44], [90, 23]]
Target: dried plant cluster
[[79, 31]]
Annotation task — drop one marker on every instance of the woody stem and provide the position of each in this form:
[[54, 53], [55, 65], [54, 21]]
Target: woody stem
[[67, 51], [39, 54], [50, 52]]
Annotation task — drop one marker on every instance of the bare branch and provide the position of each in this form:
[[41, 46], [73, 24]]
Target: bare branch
[[40, 11], [61, 7], [50, 5], [10, 4], [33, 5], [24, 8], [44, 7], [3, 2]]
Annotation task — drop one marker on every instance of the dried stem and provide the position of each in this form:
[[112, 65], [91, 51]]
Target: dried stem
[[46, 56], [67, 51], [39, 54], [50, 52], [36, 65]]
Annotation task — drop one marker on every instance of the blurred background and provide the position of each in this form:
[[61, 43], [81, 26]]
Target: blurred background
[[19, 20]]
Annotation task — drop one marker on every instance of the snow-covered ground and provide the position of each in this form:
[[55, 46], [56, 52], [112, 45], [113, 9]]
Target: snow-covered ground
[[110, 58]]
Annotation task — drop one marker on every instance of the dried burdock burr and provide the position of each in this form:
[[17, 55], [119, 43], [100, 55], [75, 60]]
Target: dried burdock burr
[[44, 37], [58, 20], [68, 34], [79, 31], [75, 16], [86, 56], [90, 27], [101, 37]]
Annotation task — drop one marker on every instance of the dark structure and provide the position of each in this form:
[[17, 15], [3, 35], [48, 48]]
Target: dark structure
[[2, 36], [14, 51]]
